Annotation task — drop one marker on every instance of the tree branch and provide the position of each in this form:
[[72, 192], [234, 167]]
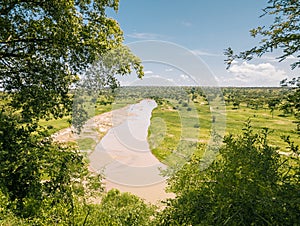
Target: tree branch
[[8, 41]]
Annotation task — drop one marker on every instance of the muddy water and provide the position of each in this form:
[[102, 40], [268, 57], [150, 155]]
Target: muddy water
[[124, 156]]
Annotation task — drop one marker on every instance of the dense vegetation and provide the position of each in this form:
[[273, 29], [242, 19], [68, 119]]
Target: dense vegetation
[[175, 105], [248, 184], [45, 45]]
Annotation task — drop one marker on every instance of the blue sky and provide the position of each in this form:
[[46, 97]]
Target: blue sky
[[206, 28]]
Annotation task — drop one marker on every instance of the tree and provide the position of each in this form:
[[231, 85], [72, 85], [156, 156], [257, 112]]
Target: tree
[[292, 99], [272, 104], [118, 208], [44, 46], [236, 103], [248, 184], [284, 35]]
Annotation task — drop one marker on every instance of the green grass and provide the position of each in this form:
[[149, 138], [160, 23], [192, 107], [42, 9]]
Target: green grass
[[86, 143], [164, 131], [100, 109], [170, 127], [173, 122], [165, 134], [55, 125], [277, 125]]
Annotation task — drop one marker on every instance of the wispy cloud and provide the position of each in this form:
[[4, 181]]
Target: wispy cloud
[[169, 69], [291, 57], [204, 53], [155, 76], [170, 79], [183, 76], [271, 58], [148, 72], [264, 74], [145, 35], [186, 24]]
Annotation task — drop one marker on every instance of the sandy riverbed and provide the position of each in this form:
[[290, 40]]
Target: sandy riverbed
[[123, 153]]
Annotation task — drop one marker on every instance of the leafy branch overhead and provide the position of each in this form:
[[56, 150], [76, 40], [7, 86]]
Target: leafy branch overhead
[[282, 34], [44, 45]]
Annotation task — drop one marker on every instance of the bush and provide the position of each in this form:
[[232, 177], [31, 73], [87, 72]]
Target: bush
[[248, 184], [185, 105], [118, 208], [197, 125]]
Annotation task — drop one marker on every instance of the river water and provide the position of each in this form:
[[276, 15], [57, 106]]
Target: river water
[[124, 156]]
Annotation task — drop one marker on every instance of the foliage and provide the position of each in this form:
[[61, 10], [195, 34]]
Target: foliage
[[44, 46], [120, 209], [98, 77], [292, 100], [248, 184], [38, 174], [272, 104], [282, 34]]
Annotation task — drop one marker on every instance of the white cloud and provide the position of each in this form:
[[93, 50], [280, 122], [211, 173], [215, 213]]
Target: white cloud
[[263, 74], [272, 58], [145, 36], [148, 72], [186, 24], [154, 76], [155, 80], [269, 58], [204, 53], [169, 69], [291, 57], [183, 76]]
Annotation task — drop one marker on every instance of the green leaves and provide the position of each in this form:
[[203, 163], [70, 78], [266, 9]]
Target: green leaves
[[44, 46], [282, 34], [246, 185], [118, 208], [292, 99]]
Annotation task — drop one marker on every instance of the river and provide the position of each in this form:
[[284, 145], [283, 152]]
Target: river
[[124, 157]]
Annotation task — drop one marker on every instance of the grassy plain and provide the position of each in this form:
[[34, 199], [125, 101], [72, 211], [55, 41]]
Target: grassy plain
[[58, 124], [177, 119], [169, 125]]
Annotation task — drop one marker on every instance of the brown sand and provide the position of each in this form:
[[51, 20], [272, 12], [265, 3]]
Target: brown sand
[[96, 128]]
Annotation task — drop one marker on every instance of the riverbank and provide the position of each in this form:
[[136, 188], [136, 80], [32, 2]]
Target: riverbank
[[122, 152]]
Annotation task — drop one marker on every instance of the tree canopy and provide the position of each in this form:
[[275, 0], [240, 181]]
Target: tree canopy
[[45, 44], [248, 184], [282, 34], [44, 47]]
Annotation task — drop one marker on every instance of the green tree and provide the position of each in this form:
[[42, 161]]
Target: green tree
[[272, 104], [236, 103], [292, 99], [283, 34], [44, 47], [118, 208], [248, 184]]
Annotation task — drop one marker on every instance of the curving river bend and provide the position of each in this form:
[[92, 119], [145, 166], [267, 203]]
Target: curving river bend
[[124, 156]]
